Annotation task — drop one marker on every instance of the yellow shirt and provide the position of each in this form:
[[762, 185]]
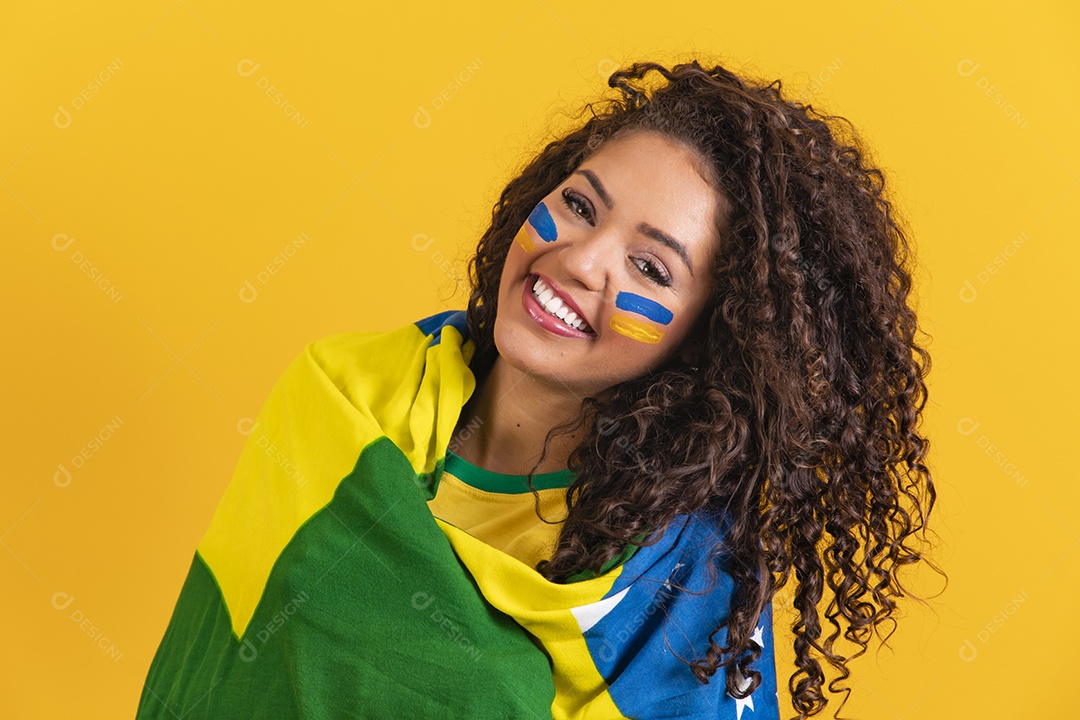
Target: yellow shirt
[[500, 510]]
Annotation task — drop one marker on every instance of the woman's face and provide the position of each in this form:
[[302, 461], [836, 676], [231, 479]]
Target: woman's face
[[623, 251]]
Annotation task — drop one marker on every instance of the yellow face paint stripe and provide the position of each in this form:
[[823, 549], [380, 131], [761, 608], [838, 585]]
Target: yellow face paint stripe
[[524, 240], [635, 329]]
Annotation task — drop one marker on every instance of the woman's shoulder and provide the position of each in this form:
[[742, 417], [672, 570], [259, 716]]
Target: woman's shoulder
[[665, 603], [689, 543]]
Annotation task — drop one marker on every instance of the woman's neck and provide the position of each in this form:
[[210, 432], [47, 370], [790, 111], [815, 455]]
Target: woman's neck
[[502, 426]]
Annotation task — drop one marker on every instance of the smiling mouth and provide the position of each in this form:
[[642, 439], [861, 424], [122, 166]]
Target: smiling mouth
[[546, 297]]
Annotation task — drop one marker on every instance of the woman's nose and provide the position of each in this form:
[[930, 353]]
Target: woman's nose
[[593, 259]]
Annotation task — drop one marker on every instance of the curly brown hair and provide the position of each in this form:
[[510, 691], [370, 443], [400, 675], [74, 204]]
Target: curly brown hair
[[799, 419]]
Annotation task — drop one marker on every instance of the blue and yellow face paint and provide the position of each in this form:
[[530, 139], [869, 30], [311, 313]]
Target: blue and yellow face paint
[[543, 226], [634, 328], [542, 223]]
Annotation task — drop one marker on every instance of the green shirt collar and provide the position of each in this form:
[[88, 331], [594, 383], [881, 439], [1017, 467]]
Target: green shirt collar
[[490, 481]]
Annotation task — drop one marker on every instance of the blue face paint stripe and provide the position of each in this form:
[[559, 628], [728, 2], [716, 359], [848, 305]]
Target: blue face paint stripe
[[545, 226], [631, 302]]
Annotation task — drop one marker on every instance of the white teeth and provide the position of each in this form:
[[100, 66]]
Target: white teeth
[[555, 306]]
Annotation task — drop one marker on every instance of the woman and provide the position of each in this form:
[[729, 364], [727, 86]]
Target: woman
[[687, 370]]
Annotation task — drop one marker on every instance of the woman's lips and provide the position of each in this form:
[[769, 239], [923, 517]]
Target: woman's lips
[[566, 299], [545, 319]]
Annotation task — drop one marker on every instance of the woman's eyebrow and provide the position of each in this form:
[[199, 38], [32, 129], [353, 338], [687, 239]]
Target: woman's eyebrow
[[598, 187], [643, 228]]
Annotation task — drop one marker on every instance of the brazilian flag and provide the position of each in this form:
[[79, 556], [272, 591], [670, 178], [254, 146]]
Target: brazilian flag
[[339, 578]]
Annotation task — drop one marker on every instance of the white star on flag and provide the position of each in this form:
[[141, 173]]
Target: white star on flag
[[667, 583], [741, 682]]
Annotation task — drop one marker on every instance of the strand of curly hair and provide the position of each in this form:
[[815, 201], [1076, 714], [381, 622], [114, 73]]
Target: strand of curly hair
[[799, 422]]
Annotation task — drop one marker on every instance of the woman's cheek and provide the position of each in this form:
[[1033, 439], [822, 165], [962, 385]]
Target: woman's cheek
[[524, 239], [544, 223], [638, 318], [539, 227]]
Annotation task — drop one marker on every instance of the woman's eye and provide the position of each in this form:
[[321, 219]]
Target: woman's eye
[[653, 272], [576, 203]]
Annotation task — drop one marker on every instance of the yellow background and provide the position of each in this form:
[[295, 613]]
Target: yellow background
[[174, 180]]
